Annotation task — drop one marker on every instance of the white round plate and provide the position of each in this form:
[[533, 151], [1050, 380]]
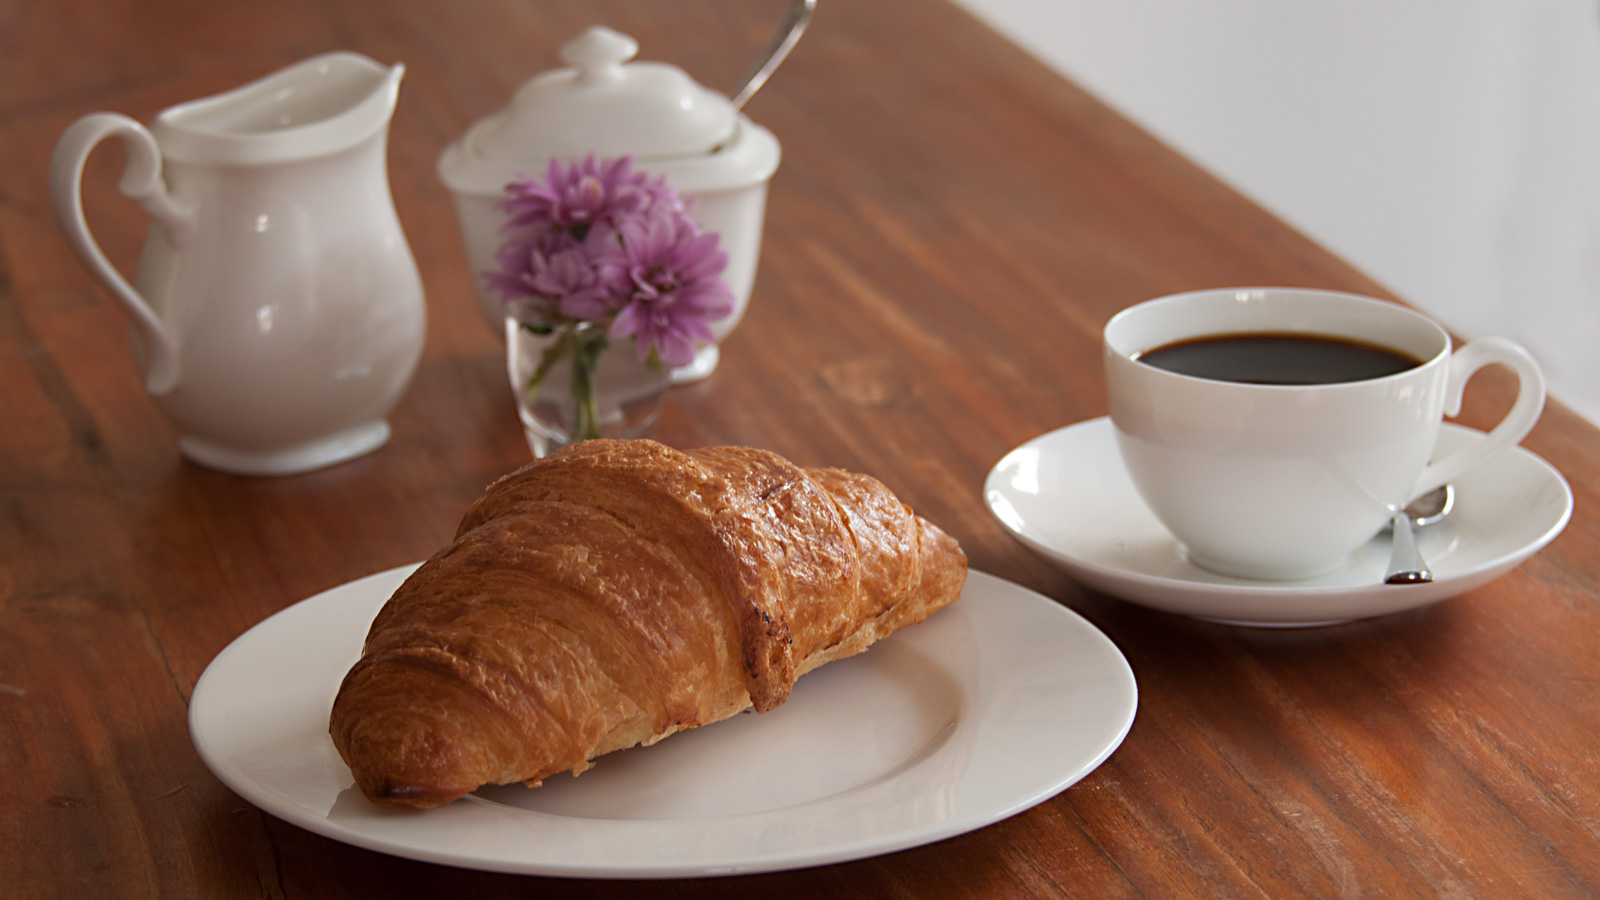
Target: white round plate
[[992, 705], [1067, 496]]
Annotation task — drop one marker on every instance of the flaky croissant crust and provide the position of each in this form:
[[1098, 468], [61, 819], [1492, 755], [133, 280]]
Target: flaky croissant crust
[[616, 592]]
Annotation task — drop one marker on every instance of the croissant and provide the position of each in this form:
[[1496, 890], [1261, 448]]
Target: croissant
[[616, 592]]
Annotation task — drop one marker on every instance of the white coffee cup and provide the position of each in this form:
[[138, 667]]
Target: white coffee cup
[[1284, 481]]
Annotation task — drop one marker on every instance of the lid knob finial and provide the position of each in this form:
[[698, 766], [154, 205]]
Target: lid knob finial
[[598, 54]]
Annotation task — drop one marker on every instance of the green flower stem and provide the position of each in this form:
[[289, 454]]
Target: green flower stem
[[552, 354], [583, 346], [585, 358]]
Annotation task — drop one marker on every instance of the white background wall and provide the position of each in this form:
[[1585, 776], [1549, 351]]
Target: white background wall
[[1448, 148]]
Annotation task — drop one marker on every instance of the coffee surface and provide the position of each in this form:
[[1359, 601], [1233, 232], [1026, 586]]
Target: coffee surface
[[1278, 358]]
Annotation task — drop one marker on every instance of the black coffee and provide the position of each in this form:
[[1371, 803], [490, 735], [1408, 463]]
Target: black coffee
[[1278, 358]]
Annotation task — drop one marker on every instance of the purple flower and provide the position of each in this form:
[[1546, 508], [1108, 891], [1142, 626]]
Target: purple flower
[[676, 288], [574, 279], [596, 241], [584, 194]]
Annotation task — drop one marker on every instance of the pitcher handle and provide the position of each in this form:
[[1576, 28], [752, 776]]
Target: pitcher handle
[[142, 182], [1511, 430]]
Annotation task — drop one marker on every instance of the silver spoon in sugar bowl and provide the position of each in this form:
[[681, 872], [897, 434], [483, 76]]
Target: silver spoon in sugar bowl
[[783, 40], [1406, 565]]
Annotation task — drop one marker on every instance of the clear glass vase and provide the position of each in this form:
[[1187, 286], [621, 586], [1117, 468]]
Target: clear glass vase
[[572, 383]]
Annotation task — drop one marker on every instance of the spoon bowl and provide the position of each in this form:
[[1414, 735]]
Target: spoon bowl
[[1432, 506]]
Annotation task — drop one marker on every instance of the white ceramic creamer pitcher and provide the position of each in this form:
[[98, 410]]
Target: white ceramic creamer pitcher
[[277, 312]]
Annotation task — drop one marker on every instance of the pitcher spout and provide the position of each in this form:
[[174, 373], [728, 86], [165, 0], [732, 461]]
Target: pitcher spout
[[313, 108]]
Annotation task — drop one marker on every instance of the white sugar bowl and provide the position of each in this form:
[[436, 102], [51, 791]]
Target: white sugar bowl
[[602, 104]]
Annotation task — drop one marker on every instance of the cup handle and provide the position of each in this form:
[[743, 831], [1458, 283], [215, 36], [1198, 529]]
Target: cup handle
[[141, 181], [1511, 430]]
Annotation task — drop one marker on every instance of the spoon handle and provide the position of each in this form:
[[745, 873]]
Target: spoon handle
[[1406, 565], [783, 40]]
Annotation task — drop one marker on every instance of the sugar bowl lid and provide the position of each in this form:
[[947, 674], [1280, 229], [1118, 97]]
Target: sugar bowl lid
[[600, 103]]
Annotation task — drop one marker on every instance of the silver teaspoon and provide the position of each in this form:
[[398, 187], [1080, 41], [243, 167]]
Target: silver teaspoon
[[1406, 565], [788, 34]]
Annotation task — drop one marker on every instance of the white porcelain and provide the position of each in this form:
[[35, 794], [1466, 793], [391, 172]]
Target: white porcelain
[[602, 104], [1067, 496], [987, 708], [277, 310], [1286, 481]]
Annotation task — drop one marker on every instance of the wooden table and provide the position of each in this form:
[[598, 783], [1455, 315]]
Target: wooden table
[[951, 225]]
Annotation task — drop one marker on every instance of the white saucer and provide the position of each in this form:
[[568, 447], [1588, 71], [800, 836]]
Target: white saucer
[[1067, 496]]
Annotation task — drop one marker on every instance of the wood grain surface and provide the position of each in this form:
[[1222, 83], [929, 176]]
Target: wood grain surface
[[951, 225]]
